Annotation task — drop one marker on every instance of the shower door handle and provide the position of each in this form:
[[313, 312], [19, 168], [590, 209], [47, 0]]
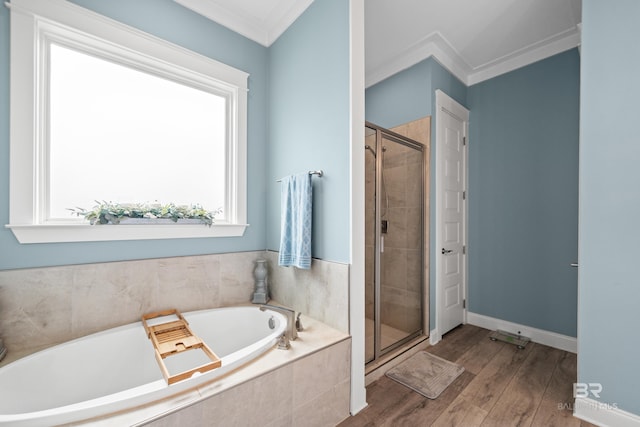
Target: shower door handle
[[446, 251]]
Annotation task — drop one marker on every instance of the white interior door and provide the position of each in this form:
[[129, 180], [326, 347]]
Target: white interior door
[[451, 132]]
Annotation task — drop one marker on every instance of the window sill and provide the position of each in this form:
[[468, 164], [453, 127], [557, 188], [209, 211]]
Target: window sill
[[58, 233]]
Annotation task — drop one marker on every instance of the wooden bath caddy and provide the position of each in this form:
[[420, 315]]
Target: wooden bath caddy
[[174, 337]]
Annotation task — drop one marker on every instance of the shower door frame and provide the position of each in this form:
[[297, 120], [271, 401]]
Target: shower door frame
[[408, 142]]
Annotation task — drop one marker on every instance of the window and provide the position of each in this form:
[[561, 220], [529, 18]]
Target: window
[[120, 134], [101, 111]]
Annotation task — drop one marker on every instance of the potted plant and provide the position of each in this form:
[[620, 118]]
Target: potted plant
[[115, 213]]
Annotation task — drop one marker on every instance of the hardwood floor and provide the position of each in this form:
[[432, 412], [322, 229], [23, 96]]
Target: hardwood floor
[[501, 386]]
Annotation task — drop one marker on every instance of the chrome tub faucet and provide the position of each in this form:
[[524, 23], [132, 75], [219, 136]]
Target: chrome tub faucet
[[294, 325]]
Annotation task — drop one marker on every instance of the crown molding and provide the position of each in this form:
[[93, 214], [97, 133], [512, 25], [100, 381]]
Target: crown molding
[[278, 22], [263, 30], [528, 55], [435, 45]]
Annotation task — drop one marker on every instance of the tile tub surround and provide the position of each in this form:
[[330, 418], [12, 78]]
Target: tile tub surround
[[41, 307], [306, 385], [321, 292]]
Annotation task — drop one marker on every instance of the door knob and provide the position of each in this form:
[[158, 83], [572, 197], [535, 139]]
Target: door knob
[[445, 251]]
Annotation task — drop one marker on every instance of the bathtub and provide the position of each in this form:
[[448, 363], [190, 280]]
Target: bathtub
[[116, 370]]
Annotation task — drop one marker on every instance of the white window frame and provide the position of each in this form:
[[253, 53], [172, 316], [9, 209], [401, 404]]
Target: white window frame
[[34, 24]]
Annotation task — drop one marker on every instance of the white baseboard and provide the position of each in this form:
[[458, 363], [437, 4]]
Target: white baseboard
[[603, 414], [434, 337], [552, 339]]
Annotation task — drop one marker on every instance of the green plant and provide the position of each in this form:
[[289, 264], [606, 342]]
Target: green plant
[[107, 212]]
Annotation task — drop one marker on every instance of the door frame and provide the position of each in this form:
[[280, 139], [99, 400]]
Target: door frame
[[445, 103]]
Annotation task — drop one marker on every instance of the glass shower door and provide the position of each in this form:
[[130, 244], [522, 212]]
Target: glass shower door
[[394, 218], [401, 242]]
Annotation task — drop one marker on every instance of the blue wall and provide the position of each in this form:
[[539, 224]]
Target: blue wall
[[401, 98], [609, 202], [523, 171], [298, 120], [309, 123], [410, 95], [523, 195], [168, 20]]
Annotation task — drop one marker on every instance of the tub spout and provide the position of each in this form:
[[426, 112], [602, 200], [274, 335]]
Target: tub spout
[[292, 331]]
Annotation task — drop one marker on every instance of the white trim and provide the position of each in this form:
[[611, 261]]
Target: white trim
[[552, 339], [447, 105], [434, 337], [282, 17], [263, 30], [102, 27], [603, 414], [432, 45], [33, 24], [47, 233], [436, 46], [357, 270], [534, 53]]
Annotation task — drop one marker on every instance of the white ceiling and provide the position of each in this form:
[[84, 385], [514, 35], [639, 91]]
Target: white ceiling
[[262, 21], [474, 39]]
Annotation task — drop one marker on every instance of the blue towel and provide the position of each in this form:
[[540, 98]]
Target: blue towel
[[295, 225]]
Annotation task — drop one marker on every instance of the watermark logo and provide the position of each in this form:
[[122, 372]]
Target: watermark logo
[[586, 390]]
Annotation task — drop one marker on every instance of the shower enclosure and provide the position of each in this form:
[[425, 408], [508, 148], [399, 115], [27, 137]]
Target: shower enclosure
[[394, 240]]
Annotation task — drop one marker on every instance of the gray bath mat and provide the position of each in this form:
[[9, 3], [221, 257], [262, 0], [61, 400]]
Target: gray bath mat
[[425, 373]]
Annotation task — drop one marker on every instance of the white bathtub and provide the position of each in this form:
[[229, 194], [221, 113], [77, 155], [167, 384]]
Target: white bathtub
[[116, 369]]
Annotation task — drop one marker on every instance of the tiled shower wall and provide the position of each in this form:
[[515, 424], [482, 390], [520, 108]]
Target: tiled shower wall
[[401, 291], [401, 287], [41, 307]]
